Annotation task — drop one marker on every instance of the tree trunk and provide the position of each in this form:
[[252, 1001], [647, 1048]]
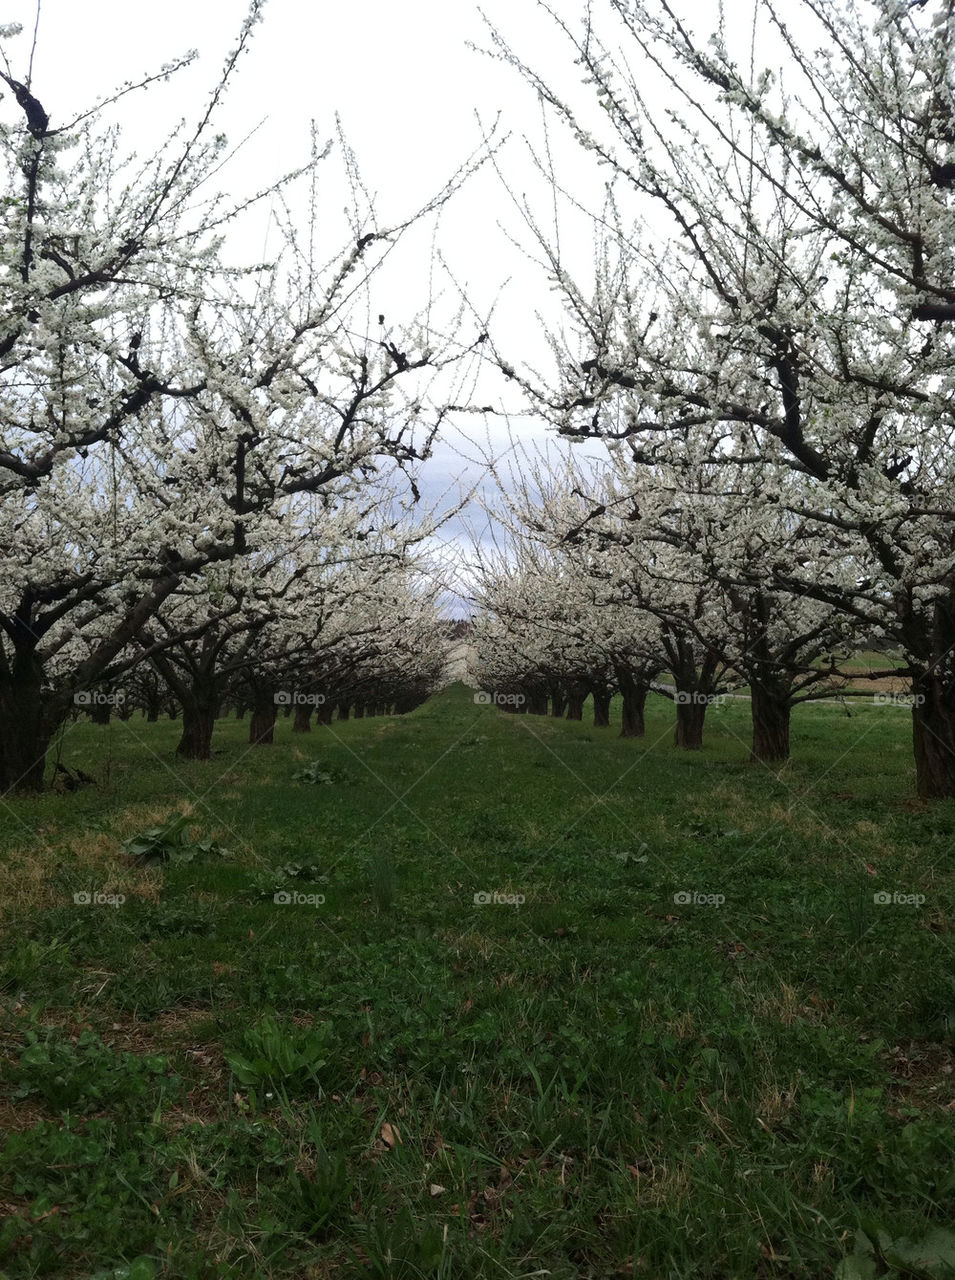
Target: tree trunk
[[303, 720], [100, 712], [575, 706], [359, 710], [262, 724], [323, 713], [933, 734], [771, 714], [634, 694], [27, 722], [537, 703], [601, 708], [343, 708], [690, 715], [558, 702], [198, 723]]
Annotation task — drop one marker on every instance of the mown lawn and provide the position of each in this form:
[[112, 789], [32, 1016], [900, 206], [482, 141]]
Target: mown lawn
[[398, 1081]]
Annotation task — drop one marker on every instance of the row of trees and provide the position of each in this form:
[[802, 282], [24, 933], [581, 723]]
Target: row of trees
[[361, 634], [202, 466], [780, 368], [773, 381], [613, 576]]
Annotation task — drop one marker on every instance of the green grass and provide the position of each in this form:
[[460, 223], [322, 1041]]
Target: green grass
[[382, 1078]]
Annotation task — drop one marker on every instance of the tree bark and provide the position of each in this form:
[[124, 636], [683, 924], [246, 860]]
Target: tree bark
[[153, 706], [771, 715], [262, 724], [198, 723], [576, 697], [303, 720], [689, 725], [27, 721], [933, 735], [200, 699], [537, 702], [694, 687], [601, 708], [343, 708], [634, 694]]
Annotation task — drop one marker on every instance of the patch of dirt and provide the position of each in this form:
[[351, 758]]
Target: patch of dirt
[[924, 1073], [19, 1114]]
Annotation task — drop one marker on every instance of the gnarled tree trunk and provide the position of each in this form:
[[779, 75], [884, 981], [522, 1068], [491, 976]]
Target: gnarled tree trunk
[[771, 715], [634, 695], [933, 736], [262, 724], [690, 715], [26, 724], [198, 723]]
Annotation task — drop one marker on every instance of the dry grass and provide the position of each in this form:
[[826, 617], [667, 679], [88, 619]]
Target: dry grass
[[25, 874]]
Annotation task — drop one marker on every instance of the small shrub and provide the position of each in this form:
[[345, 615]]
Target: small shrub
[[320, 774], [288, 1058], [171, 842]]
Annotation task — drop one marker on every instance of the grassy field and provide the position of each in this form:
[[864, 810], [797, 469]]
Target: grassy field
[[686, 1040]]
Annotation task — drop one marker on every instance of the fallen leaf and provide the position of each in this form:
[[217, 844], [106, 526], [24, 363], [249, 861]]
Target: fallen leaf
[[435, 1190], [390, 1135]]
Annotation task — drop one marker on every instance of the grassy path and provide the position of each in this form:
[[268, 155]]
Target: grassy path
[[685, 1040]]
